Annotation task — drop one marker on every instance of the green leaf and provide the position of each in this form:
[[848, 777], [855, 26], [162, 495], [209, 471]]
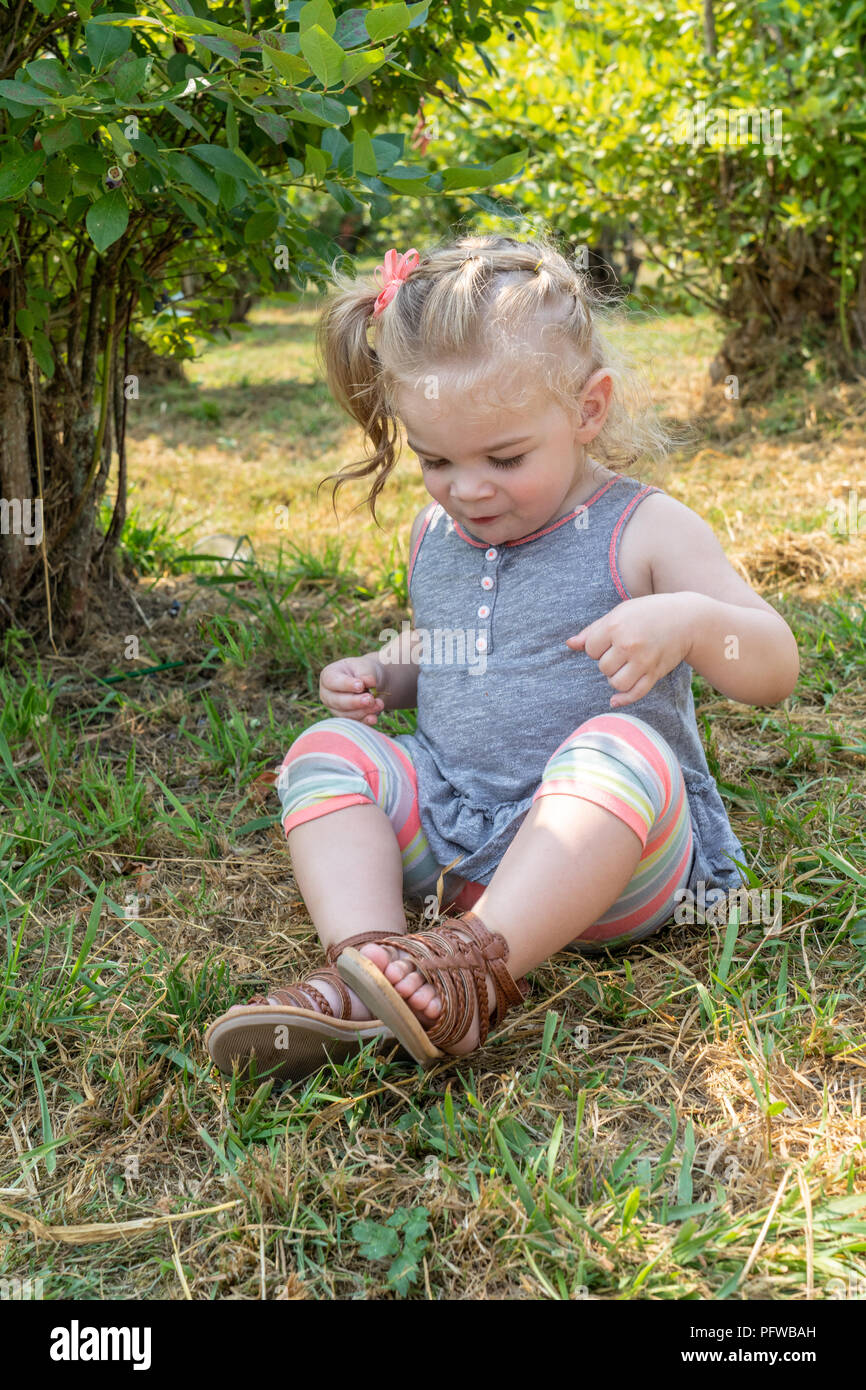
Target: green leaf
[[403, 1273], [181, 1060], [416, 1225], [322, 109], [684, 1186], [731, 934], [218, 157], [387, 20], [49, 72], [376, 1241], [190, 24], [324, 56], [16, 175], [60, 134], [289, 65], [25, 323], [129, 79], [632, 1202], [317, 12], [258, 228], [105, 43], [57, 180], [24, 93], [357, 66], [47, 1136], [107, 219], [363, 153], [467, 176], [232, 191], [85, 157], [232, 127], [315, 161], [275, 127], [89, 934], [193, 174]]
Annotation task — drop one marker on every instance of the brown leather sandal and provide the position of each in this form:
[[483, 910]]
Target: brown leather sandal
[[458, 972], [289, 1033]]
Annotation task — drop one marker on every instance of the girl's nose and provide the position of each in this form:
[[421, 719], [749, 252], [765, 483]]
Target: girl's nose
[[472, 489]]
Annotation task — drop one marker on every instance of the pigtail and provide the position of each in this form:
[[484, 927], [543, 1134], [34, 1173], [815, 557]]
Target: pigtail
[[354, 374]]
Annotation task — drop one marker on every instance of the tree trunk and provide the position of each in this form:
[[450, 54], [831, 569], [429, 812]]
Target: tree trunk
[[782, 300]]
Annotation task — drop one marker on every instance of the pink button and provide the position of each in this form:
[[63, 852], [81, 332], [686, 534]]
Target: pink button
[[487, 582], [490, 554], [481, 644], [484, 611]]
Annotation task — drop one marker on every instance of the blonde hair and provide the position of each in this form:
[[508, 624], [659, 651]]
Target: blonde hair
[[476, 310]]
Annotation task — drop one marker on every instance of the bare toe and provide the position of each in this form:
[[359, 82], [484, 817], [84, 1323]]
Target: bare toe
[[380, 956], [422, 997]]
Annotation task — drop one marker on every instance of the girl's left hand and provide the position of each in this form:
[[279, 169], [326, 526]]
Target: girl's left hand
[[639, 642]]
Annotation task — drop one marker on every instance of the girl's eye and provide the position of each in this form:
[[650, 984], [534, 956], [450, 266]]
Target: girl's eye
[[499, 463]]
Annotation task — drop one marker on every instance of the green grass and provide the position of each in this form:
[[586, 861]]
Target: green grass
[[626, 1135]]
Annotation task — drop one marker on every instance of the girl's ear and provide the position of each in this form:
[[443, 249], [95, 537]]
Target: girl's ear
[[593, 405]]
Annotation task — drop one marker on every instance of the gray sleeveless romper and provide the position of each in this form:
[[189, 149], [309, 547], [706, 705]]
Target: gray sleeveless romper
[[498, 690]]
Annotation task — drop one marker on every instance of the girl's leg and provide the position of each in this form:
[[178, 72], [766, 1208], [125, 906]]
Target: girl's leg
[[612, 799], [350, 814]]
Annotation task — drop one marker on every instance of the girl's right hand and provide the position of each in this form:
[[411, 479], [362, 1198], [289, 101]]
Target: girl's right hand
[[344, 688]]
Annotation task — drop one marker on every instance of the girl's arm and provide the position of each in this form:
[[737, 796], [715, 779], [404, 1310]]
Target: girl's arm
[[698, 610], [738, 642]]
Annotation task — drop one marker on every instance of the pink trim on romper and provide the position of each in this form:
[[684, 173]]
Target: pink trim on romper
[[607, 800], [421, 534], [611, 555]]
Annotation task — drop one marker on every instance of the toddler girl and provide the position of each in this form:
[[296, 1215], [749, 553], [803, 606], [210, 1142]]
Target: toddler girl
[[549, 592]]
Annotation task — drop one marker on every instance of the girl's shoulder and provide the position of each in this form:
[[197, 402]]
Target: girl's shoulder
[[652, 526], [667, 548]]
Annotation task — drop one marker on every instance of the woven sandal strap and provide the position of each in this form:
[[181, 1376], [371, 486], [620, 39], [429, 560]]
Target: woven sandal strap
[[508, 990], [489, 954], [334, 951], [298, 996], [459, 965]]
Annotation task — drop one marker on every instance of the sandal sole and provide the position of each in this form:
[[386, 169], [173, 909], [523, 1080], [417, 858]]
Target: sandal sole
[[382, 999], [249, 1035]]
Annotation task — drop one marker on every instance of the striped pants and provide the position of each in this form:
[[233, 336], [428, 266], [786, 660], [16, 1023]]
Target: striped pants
[[614, 760]]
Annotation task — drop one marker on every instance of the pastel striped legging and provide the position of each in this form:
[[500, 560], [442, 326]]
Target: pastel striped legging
[[615, 760]]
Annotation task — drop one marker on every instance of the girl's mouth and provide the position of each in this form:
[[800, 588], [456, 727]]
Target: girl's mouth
[[483, 520]]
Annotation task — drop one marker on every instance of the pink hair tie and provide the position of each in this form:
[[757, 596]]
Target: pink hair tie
[[391, 275]]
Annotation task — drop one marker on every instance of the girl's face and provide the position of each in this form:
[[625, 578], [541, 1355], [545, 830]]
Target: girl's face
[[502, 474]]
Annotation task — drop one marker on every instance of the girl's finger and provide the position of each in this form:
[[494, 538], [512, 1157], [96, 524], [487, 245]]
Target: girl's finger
[[643, 687], [626, 677], [357, 702], [611, 663], [342, 680]]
